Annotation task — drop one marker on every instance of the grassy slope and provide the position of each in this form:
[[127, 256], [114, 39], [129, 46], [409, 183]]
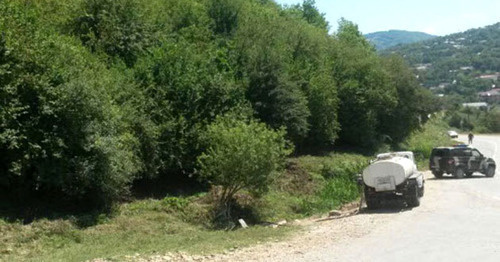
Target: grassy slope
[[140, 227], [311, 185], [422, 141]]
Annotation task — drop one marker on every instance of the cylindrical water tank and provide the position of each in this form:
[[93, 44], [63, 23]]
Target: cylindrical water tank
[[386, 174]]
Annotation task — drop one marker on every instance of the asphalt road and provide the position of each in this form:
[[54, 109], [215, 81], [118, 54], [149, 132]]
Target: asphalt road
[[458, 220]]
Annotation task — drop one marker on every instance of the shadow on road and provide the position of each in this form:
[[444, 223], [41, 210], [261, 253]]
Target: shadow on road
[[450, 177], [388, 207]]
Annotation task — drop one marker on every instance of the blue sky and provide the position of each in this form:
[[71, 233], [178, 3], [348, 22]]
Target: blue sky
[[438, 17]]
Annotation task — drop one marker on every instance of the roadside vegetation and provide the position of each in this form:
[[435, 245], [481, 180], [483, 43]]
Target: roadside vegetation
[[99, 95], [308, 186], [145, 227], [477, 120], [139, 126], [422, 141]]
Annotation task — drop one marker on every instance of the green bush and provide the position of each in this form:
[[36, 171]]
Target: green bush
[[113, 27], [178, 204], [241, 155], [478, 120], [489, 121], [422, 141], [186, 91], [63, 128], [339, 187], [334, 193], [312, 185]]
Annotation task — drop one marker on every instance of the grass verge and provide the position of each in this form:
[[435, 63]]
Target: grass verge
[[422, 141], [309, 186], [313, 185], [143, 227]]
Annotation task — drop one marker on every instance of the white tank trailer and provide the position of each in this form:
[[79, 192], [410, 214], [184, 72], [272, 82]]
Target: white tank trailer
[[393, 174]]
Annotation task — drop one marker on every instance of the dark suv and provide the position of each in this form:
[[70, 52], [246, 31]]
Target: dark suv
[[460, 161]]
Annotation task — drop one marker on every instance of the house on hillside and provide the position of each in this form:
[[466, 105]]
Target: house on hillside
[[480, 105], [491, 76], [421, 67], [443, 85], [491, 96]]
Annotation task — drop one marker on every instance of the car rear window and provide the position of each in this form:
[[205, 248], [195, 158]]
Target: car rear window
[[462, 152], [440, 152]]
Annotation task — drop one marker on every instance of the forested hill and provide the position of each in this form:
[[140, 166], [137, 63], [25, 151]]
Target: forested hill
[[386, 39], [454, 64], [97, 94]]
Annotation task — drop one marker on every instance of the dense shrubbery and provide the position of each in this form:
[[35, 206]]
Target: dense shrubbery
[[422, 141], [483, 120], [97, 94], [313, 184], [66, 120], [241, 155]]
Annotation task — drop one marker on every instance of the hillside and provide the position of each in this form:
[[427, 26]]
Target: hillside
[[458, 64], [391, 38]]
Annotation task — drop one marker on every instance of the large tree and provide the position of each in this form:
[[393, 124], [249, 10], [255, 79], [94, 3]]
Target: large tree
[[365, 94]]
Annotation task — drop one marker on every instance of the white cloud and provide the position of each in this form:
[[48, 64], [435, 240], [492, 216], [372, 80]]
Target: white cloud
[[430, 30]]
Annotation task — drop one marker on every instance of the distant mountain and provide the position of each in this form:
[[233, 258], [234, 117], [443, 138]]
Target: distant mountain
[[386, 39], [462, 63]]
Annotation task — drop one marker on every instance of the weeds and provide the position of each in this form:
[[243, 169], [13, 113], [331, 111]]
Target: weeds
[[145, 227], [421, 142], [313, 185]]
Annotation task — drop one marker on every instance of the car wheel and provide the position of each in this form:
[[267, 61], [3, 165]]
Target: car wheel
[[468, 174], [490, 172], [459, 173], [437, 174]]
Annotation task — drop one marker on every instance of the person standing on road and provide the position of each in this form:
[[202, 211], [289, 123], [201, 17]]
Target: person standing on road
[[471, 137]]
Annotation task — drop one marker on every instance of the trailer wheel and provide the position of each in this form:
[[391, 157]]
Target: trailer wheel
[[459, 173], [490, 172], [421, 191], [412, 196], [372, 202]]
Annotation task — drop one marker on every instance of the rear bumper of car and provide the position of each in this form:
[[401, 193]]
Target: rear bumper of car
[[448, 170]]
